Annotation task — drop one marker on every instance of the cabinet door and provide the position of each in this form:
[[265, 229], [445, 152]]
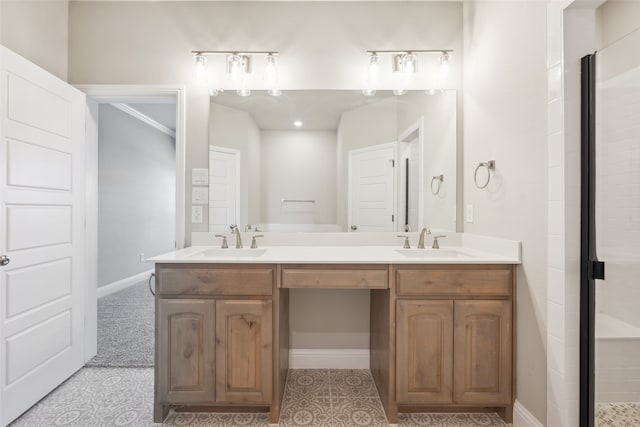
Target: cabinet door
[[243, 351], [424, 351], [483, 356], [185, 349]]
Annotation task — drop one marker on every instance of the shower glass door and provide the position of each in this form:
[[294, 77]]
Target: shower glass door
[[616, 175]]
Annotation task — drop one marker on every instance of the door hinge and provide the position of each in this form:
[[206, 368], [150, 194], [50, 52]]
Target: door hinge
[[596, 270], [393, 217], [393, 163]]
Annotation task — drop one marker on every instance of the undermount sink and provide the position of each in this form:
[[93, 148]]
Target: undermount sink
[[433, 253], [231, 253]]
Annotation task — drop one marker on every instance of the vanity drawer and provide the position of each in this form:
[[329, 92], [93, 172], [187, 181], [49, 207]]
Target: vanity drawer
[[235, 280], [335, 277], [455, 281]]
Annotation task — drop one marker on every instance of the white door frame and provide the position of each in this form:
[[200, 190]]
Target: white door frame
[[238, 175], [117, 94], [406, 137], [350, 154]]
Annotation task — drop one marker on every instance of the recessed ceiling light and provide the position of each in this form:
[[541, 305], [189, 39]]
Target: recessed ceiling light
[[297, 123]]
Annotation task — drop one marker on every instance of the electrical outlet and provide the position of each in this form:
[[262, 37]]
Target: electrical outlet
[[141, 257], [469, 214]]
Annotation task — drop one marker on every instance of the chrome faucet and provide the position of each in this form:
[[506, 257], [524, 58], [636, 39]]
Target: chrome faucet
[[236, 231], [421, 241]]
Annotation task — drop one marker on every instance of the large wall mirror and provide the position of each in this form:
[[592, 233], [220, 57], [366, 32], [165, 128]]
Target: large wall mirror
[[324, 160]]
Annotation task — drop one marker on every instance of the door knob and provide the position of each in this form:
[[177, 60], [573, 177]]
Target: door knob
[[4, 260], [354, 227]]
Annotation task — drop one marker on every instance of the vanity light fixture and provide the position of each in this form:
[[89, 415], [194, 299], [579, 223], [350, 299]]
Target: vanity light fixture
[[403, 61], [372, 75], [238, 66]]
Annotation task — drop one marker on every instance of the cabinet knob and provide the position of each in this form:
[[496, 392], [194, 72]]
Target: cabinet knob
[[4, 260]]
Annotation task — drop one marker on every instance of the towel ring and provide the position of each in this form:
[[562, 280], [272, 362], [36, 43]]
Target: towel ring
[[490, 165], [438, 179]]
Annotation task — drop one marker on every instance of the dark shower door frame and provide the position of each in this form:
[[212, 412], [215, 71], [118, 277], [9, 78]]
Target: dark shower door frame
[[590, 268]]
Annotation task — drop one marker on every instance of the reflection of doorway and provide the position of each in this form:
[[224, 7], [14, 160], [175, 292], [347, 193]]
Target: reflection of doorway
[[371, 194], [224, 188], [410, 178]]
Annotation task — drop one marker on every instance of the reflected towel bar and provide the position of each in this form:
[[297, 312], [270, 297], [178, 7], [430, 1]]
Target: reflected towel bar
[[297, 201]]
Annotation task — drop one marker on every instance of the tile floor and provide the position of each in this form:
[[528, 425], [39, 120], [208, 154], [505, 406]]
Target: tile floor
[[618, 415], [97, 397]]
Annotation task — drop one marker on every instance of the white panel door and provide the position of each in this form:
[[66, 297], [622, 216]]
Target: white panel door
[[371, 188], [41, 233], [224, 186]]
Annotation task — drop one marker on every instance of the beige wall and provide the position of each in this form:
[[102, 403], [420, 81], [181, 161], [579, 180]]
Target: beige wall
[[505, 110], [38, 31], [615, 20], [297, 164], [322, 45]]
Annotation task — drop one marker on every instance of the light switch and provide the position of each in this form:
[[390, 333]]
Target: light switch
[[196, 214], [469, 214]]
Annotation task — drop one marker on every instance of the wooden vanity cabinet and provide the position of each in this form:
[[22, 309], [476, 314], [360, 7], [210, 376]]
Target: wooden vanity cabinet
[[454, 335], [214, 336], [243, 351]]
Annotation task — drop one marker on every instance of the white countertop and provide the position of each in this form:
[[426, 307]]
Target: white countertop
[[344, 254]]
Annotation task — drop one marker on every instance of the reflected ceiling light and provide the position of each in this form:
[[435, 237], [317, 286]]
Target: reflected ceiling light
[[215, 92], [369, 92], [297, 123], [399, 92], [238, 66]]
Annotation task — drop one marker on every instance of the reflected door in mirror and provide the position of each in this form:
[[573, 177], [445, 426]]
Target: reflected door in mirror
[[224, 185], [371, 188]]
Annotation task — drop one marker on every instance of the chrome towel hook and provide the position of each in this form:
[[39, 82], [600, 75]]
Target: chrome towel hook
[[490, 165], [438, 180]]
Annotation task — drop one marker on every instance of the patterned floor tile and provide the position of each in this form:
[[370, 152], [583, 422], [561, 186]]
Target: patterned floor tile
[[306, 411], [216, 420], [350, 412], [96, 397], [450, 420], [352, 383], [308, 383], [618, 415]]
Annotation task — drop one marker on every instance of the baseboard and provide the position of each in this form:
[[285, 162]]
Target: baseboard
[[524, 418], [328, 359], [119, 285]]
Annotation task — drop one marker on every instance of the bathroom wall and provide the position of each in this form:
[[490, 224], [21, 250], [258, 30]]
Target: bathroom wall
[[298, 164], [236, 129], [369, 125], [505, 108], [440, 154], [136, 194], [616, 19], [37, 30], [322, 46]]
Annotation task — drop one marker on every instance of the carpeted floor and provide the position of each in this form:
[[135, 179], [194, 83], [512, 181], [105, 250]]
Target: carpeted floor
[[125, 329]]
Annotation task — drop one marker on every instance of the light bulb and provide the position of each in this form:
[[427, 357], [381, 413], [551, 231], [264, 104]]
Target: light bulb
[[369, 92], [297, 123], [374, 66], [243, 92], [444, 64], [410, 63], [399, 92], [271, 74], [200, 72]]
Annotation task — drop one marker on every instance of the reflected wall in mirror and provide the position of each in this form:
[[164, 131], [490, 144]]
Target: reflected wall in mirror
[[322, 160]]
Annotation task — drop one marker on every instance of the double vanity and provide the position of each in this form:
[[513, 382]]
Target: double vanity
[[442, 323]]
